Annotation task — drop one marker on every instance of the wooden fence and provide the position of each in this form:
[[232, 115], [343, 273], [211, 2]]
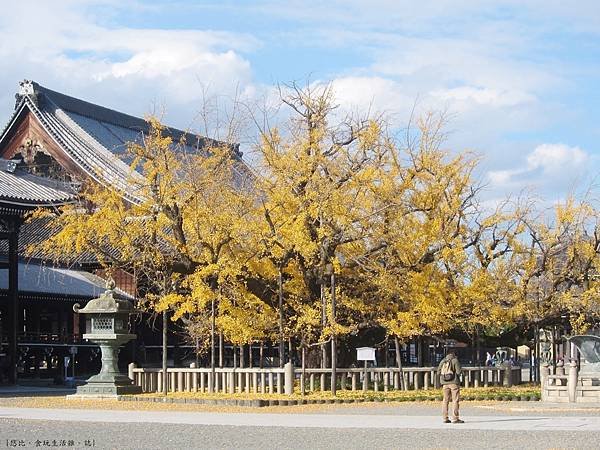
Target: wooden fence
[[286, 380]]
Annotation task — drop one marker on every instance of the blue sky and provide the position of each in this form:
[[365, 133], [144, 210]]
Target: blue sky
[[519, 78]]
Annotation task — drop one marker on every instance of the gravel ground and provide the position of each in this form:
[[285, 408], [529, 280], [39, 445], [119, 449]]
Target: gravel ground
[[468, 409], [179, 436], [161, 436], [408, 408]]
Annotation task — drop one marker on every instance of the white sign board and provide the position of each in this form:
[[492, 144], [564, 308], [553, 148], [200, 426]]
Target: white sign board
[[365, 354]]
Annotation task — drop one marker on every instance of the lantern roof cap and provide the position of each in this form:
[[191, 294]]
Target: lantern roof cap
[[106, 303]]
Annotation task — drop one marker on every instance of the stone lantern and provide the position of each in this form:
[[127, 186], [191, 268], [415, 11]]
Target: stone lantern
[[107, 325]]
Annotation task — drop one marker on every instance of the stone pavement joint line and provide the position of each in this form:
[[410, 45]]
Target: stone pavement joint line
[[525, 423]]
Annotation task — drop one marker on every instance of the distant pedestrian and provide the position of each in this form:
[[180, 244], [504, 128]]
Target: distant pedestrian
[[488, 359], [450, 372]]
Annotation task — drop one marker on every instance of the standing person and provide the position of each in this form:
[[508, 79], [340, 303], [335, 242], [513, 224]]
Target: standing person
[[488, 359], [450, 372]]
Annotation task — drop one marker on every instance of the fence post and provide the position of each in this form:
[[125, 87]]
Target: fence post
[[560, 370], [572, 382], [436, 379], [289, 378], [130, 368], [507, 381], [544, 372], [417, 381]]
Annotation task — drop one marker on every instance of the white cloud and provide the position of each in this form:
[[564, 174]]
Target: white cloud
[[503, 66], [557, 164], [370, 93], [556, 158], [483, 96], [65, 47]]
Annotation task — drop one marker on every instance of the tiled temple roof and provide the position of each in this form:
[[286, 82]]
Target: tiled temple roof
[[59, 282], [23, 189], [92, 135], [35, 231]]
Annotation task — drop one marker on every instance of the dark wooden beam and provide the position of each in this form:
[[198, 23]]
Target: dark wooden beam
[[13, 296]]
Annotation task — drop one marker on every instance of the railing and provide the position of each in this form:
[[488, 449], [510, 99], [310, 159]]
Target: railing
[[278, 380], [413, 378], [225, 380], [48, 338], [560, 386]]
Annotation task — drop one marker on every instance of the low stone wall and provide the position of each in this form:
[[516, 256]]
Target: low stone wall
[[567, 385]]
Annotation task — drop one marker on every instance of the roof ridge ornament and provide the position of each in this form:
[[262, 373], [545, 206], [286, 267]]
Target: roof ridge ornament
[[110, 285], [27, 89]]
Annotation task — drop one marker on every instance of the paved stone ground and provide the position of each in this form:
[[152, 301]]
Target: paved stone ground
[[163, 436], [524, 426]]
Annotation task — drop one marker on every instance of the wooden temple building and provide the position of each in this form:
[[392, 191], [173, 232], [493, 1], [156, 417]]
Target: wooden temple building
[[52, 144]]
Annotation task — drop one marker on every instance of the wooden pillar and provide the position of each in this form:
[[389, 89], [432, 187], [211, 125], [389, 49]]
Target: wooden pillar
[[12, 235]]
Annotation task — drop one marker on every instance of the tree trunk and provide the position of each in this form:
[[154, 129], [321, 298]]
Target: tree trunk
[[211, 383], [303, 368], [221, 350], [281, 338], [164, 353], [421, 351], [333, 339], [478, 346], [399, 361], [385, 355], [323, 324], [260, 354]]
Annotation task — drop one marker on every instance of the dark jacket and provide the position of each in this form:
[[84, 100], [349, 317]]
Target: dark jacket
[[455, 368]]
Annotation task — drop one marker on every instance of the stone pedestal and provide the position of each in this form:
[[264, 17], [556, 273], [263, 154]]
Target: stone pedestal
[[110, 382]]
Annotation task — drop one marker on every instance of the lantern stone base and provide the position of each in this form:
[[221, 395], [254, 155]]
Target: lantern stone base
[[109, 382], [105, 390]]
